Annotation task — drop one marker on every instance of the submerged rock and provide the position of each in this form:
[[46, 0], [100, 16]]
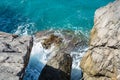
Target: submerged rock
[[102, 60], [14, 55]]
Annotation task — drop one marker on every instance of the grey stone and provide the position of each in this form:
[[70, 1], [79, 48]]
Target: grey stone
[[57, 68], [14, 55]]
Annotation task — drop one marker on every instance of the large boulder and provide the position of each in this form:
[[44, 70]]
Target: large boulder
[[102, 60], [14, 55], [57, 68], [59, 64]]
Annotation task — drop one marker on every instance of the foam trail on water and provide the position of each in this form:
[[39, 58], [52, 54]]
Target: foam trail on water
[[76, 73]]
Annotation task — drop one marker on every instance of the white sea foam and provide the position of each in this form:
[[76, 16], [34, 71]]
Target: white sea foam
[[25, 29], [38, 59], [76, 73]]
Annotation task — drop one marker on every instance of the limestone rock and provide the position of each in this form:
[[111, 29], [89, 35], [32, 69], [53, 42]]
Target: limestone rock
[[14, 55], [102, 60], [57, 68]]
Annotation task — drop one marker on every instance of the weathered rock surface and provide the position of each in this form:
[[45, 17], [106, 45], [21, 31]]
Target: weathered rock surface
[[57, 68], [14, 55], [60, 64], [102, 60]]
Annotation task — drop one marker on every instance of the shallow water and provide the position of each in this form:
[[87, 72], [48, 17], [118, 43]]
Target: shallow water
[[29, 16]]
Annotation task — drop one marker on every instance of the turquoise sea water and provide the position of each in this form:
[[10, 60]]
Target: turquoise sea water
[[28, 16]]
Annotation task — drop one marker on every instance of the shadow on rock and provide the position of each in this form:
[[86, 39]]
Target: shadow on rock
[[50, 73], [57, 68]]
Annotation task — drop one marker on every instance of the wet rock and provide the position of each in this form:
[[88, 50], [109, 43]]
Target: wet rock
[[52, 39], [102, 62], [14, 56], [64, 39]]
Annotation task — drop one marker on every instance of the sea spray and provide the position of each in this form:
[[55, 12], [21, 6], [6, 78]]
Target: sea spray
[[25, 29], [76, 73]]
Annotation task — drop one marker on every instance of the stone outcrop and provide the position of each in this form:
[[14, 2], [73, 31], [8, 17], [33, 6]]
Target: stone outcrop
[[57, 68], [102, 60], [14, 55], [59, 65]]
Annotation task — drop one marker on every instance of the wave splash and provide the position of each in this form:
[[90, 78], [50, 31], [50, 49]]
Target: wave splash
[[26, 29], [40, 56], [38, 59]]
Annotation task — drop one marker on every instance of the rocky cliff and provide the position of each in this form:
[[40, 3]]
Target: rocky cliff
[[14, 55], [102, 60]]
